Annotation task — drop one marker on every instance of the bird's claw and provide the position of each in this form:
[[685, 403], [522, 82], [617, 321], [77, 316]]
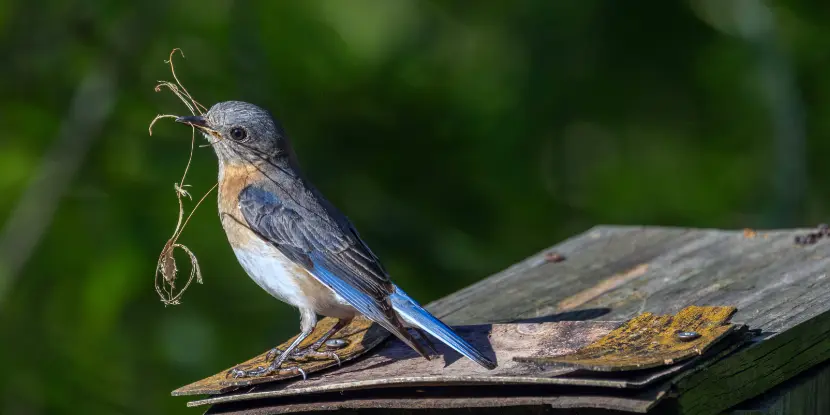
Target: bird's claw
[[238, 373], [272, 354]]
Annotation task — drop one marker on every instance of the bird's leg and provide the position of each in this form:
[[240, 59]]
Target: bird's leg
[[312, 352], [308, 319]]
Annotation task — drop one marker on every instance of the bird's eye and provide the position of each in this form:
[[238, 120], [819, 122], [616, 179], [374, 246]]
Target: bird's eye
[[238, 133]]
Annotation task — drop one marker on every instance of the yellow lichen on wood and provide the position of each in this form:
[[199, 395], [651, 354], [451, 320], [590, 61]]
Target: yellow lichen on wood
[[650, 340], [361, 335]]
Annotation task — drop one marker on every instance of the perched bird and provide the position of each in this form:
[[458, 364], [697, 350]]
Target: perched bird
[[296, 245]]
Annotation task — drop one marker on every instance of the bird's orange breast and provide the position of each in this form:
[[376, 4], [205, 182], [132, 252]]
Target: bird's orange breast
[[232, 179]]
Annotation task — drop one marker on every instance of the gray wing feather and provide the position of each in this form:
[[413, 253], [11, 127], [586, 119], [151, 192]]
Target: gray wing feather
[[300, 236], [326, 243]]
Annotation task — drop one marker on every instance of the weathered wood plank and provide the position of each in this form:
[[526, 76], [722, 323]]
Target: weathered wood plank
[[396, 364], [806, 394], [615, 273], [360, 336], [648, 341], [778, 287], [452, 399], [760, 276], [534, 287], [756, 369], [526, 353]]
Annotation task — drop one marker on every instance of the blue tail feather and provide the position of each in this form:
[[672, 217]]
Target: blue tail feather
[[414, 314], [362, 302]]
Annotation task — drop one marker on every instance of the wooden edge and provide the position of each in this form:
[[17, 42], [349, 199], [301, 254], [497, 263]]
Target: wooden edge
[[455, 398]]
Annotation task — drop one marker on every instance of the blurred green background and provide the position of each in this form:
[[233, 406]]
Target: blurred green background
[[459, 136]]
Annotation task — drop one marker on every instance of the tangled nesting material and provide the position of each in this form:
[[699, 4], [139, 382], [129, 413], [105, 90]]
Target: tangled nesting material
[[166, 268]]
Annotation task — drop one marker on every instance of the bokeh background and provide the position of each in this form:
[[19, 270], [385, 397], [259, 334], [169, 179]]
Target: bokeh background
[[459, 136]]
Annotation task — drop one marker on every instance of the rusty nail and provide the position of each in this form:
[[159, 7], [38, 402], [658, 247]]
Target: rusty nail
[[687, 336], [336, 343]]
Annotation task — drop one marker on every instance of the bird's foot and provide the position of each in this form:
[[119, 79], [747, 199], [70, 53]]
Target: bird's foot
[[275, 356], [272, 369], [304, 354], [311, 353]]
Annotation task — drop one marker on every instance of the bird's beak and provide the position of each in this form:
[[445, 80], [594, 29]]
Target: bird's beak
[[194, 120], [200, 123]]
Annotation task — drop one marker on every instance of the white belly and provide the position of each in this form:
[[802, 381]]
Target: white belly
[[277, 275], [272, 271]]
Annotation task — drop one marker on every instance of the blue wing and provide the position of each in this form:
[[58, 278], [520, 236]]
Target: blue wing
[[330, 249]]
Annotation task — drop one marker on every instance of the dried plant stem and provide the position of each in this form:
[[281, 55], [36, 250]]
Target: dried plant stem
[[166, 269]]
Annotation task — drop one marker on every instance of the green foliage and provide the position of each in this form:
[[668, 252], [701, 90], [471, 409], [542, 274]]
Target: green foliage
[[459, 139]]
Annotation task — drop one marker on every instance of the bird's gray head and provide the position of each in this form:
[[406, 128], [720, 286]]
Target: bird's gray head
[[240, 132]]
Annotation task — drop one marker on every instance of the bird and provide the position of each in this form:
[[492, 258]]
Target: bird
[[298, 246]]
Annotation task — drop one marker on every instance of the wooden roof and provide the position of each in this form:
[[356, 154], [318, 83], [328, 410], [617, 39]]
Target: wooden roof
[[596, 281]]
